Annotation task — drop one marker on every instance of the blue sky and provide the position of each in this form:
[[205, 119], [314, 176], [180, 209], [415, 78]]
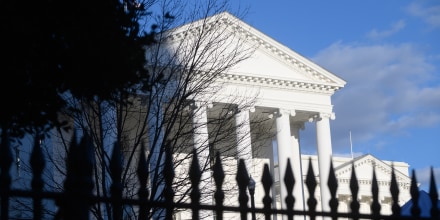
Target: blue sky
[[389, 54]]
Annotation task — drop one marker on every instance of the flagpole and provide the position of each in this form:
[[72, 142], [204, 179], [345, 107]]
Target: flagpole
[[351, 147]]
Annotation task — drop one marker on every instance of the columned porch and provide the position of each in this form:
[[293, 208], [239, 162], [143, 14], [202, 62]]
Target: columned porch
[[281, 128]]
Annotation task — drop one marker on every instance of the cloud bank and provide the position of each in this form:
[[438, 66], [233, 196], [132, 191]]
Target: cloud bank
[[390, 88], [430, 14]]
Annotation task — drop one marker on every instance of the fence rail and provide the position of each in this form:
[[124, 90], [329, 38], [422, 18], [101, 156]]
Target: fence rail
[[75, 201]]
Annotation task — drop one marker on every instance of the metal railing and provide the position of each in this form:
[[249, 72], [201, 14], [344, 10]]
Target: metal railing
[[77, 197]]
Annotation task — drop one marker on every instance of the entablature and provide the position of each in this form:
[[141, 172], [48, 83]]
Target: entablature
[[279, 83]]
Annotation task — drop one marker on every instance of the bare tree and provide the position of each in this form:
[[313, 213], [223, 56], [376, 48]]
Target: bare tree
[[192, 51]]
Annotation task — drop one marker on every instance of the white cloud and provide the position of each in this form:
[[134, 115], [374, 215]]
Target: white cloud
[[419, 120], [429, 14], [390, 89], [423, 176], [396, 27]]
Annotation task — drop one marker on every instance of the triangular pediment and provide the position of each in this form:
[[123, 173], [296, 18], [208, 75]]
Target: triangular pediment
[[271, 64], [363, 166]]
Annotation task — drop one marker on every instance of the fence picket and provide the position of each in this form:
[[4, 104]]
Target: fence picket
[[311, 186], [289, 182], [332, 184], [5, 177], [375, 205], [195, 175], [267, 181], [66, 205], [142, 172], [394, 190], [116, 166], [354, 187], [242, 181], [219, 177], [414, 191], [433, 196], [169, 176], [37, 163]]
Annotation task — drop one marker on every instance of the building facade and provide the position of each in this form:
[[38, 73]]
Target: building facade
[[290, 91]]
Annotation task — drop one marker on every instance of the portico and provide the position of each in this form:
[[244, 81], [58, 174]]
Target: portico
[[285, 126], [285, 88]]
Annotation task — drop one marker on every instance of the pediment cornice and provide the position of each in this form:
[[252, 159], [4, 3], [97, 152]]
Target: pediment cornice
[[320, 79], [279, 83], [369, 160]]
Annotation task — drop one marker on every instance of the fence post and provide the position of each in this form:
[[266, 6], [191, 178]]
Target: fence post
[[394, 190], [434, 196], [65, 205], [37, 164], [219, 195], [242, 181], [195, 175], [142, 172], [332, 184], [414, 191], [354, 187], [311, 186], [267, 181], [5, 177], [116, 165], [79, 182], [251, 187], [169, 176], [289, 182], [375, 205]]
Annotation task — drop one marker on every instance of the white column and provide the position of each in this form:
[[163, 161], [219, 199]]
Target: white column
[[298, 188], [201, 143], [243, 134], [285, 149], [324, 145], [271, 154]]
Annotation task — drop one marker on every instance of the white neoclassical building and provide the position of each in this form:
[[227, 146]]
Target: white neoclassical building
[[290, 90]]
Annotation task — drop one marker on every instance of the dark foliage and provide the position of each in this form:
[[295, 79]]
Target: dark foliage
[[50, 49]]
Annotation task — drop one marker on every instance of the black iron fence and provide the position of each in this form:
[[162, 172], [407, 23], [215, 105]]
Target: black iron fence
[[77, 197]]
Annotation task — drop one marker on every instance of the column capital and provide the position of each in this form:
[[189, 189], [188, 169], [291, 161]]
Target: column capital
[[322, 115], [331, 115], [283, 111]]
